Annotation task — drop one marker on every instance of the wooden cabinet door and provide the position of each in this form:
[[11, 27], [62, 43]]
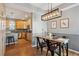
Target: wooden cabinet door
[[29, 36]]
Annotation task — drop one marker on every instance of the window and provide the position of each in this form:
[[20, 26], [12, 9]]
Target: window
[[11, 25], [2, 24]]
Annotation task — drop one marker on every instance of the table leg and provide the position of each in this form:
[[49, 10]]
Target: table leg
[[52, 53], [48, 47], [67, 49], [47, 52], [37, 42], [59, 49]]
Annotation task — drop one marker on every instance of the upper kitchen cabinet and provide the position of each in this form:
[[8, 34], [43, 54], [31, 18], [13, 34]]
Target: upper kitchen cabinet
[[23, 24]]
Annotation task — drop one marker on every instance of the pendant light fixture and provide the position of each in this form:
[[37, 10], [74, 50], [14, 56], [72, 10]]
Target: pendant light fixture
[[51, 14]]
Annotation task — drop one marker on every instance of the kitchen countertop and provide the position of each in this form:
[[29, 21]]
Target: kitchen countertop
[[22, 30]]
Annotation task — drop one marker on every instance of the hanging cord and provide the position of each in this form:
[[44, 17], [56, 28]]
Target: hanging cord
[[48, 7], [51, 6]]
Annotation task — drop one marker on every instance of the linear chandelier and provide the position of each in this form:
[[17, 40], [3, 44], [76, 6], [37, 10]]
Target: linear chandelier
[[51, 14]]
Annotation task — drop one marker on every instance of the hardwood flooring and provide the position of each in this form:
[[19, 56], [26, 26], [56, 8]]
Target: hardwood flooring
[[24, 48]]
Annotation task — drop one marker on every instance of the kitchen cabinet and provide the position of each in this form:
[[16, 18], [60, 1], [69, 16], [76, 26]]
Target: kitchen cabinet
[[21, 24], [29, 36]]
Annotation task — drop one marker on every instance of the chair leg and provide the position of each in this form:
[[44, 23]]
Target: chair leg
[[52, 53], [37, 47], [41, 49], [63, 50], [47, 52]]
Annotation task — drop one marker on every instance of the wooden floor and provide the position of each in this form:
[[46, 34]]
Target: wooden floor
[[24, 48]]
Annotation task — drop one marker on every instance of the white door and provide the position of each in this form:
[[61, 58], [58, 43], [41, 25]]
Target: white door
[[2, 29], [2, 43]]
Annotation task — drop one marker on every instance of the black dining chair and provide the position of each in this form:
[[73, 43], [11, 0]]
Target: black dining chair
[[52, 46], [64, 45], [41, 44]]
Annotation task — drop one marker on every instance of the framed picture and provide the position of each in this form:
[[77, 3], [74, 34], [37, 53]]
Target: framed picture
[[64, 23], [54, 24]]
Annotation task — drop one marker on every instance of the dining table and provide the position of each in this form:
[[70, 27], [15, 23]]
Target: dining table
[[60, 40]]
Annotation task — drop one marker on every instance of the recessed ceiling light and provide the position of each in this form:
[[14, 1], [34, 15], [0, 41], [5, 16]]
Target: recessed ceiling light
[[26, 16]]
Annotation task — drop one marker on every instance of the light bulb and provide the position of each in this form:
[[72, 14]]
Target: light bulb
[[46, 17], [51, 15], [54, 14], [57, 13]]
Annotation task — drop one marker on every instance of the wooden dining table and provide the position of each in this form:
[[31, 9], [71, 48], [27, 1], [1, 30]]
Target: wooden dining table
[[59, 40]]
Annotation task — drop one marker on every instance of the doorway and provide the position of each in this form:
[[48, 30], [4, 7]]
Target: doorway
[[19, 41]]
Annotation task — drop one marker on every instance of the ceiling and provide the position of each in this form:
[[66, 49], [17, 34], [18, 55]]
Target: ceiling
[[36, 7], [28, 8], [45, 6], [23, 9], [31, 7]]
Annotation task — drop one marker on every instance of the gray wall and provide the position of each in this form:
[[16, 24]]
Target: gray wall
[[37, 26], [73, 31]]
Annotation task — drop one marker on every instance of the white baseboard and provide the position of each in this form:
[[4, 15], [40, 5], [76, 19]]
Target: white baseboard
[[34, 45], [11, 43], [74, 51], [71, 50]]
